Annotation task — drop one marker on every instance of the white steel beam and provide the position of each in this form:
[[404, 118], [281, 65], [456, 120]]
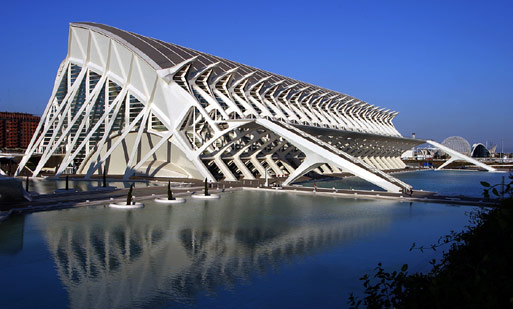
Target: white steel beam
[[459, 156]]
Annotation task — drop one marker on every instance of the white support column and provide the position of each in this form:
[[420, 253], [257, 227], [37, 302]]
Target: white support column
[[375, 163], [335, 169], [64, 164], [309, 164], [106, 132], [83, 124], [446, 163], [118, 141], [253, 159], [66, 134], [129, 171], [70, 95], [399, 162], [163, 140], [33, 144], [228, 175], [272, 163], [325, 169], [242, 167], [316, 153], [391, 162], [384, 163], [459, 156], [269, 159]]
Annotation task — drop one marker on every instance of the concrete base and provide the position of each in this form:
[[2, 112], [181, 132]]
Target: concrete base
[[11, 190], [206, 197], [177, 200], [125, 206], [61, 191], [107, 189]]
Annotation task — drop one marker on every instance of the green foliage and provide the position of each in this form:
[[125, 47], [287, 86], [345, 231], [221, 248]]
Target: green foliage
[[386, 292], [129, 195], [506, 189], [475, 272], [169, 192]]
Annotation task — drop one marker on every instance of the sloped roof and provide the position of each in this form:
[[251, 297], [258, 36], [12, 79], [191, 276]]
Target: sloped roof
[[165, 55]]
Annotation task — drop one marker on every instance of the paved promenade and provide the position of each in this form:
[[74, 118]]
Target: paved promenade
[[72, 199]]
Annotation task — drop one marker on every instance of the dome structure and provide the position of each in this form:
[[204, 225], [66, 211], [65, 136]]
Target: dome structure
[[457, 143], [479, 151]]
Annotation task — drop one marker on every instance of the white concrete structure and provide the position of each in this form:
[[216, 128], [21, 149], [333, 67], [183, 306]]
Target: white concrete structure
[[455, 155], [457, 143], [131, 104]]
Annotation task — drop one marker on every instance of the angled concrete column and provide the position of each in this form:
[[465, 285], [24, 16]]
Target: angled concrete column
[[335, 169], [368, 161], [325, 169], [385, 162], [224, 168], [391, 162], [256, 163], [459, 156], [309, 164], [246, 173], [277, 170], [317, 155], [446, 163], [398, 162], [286, 164], [383, 165], [375, 163]]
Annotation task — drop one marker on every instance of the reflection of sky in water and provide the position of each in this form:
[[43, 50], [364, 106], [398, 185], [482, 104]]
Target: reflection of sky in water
[[446, 182], [255, 249]]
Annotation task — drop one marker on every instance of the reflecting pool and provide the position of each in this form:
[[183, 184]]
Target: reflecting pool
[[445, 182], [248, 249]]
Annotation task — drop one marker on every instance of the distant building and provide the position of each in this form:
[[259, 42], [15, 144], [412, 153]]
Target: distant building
[[458, 144], [16, 129], [408, 155], [479, 151]]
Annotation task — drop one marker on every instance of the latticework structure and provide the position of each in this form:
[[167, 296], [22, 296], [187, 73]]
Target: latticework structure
[[131, 104], [457, 143]]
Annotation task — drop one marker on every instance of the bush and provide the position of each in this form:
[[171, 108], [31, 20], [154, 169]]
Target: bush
[[476, 271]]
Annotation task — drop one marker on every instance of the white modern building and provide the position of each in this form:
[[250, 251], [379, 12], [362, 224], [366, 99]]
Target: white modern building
[[130, 104]]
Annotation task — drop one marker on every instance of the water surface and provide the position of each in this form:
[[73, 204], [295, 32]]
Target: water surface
[[248, 249], [445, 182]]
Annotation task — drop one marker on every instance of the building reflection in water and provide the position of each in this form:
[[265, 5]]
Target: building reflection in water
[[11, 235], [160, 254]]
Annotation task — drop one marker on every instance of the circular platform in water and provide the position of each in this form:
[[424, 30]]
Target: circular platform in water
[[177, 200], [125, 206], [61, 191], [206, 197]]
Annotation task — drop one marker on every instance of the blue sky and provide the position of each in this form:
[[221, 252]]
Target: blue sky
[[446, 66]]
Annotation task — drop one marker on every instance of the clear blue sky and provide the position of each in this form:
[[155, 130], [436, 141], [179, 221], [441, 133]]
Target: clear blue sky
[[446, 66]]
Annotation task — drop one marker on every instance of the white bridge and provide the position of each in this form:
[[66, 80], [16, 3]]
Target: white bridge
[[455, 155]]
